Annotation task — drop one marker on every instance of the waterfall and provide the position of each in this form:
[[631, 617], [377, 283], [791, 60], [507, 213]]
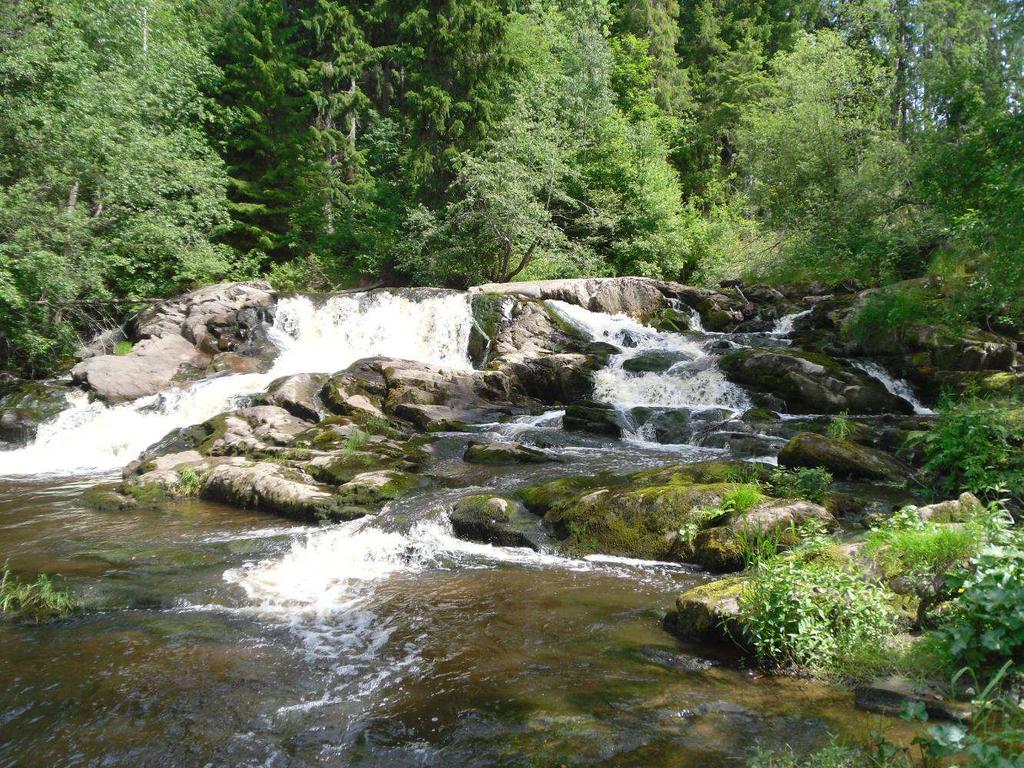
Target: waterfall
[[895, 386], [787, 323], [695, 381], [426, 326]]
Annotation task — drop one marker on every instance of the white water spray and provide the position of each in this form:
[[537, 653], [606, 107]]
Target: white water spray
[[786, 324], [91, 436]]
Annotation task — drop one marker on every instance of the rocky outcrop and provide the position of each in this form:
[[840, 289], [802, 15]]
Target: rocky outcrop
[[842, 458], [637, 297], [810, 383], [179, 338], [595, 418], [299, 395]]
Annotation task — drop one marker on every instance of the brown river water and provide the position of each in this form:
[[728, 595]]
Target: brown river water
[[213, 636]]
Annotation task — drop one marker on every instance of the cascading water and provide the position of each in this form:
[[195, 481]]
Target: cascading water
[[786, 324], [895, 386], [694, 381], [429, 327]]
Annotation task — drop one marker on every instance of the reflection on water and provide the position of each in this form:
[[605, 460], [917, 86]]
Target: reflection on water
[[228, 638]]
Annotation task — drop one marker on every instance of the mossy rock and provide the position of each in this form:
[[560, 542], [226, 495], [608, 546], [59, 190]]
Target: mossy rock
[[843, 458], [105, 498], [372, 489], [497, 453], [24, 407], [709, 613], [653, 361], [540, 498], [495, 520], [670, 320], [595, 418]]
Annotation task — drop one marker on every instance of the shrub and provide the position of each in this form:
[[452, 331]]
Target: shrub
[[190, 482], [887, 314], [811, 483], [813, 614], [840, 427], [37, 601], [976, 445]]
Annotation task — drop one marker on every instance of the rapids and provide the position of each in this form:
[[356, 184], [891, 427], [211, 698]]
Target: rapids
[[214, 636]]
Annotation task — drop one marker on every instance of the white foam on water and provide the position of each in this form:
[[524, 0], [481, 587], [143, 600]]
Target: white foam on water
[[898, 387], [90, 436], [694, 382]]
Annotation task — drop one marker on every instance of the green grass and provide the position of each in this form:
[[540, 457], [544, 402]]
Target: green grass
[[190, 482], [39, 600], [810, 483], [742, 498], [840, 428], [122, 348], [933, 550]]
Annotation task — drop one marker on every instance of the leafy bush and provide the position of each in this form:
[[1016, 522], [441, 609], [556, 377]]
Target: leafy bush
[[189, 482], [37, 601], [811, 483], [887, 314], [986, 627], [813, 614], [977, 445]]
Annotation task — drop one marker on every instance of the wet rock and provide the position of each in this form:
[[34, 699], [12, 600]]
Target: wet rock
[[592, 417], [149, 368], [655, 361], [672, 426], [890, 696], [249, 431], [495, 452], [25, 406], [709, 613], [810, 383], [299, 395], [489, 310], [842, 458], [496, 520]]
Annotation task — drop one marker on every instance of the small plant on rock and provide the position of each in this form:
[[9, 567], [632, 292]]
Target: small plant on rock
[[840, 428], [190, 482], [811, 483], [39, 600]]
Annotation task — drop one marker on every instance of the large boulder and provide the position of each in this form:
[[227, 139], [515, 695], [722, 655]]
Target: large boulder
[[810, 383], [150, 367], [842, 458], [595, 418], [298, 394]]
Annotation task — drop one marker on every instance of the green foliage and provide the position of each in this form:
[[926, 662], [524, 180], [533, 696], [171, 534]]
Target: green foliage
[[986, 628], [931, 550], [38, 600], [814, 614], [742, 498], [976, 445], [840, 427], [122, 348], [190, 482], [810, 483], [887, 315], [356, 439]]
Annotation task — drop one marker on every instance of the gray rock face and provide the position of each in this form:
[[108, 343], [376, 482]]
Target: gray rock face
[[596, 418], [269, 487], [810, 383], [299, 395], [637, 297], [178, 336], [150, 368], [841, 457]]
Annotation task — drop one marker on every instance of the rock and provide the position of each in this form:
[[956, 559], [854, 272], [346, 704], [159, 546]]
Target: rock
[[670, 320], [842, 458], [149, 368], [656, 361], [217, 318], [637, 297], [489, 310], [299, 395], [810, 383], [27, 405], [596, 418], [889, 696], [494, 452], [273, 488], [959, 511], [709, 613], [249, 431], [496, 520]]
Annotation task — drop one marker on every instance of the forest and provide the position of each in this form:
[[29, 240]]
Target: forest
[[149, 147]]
